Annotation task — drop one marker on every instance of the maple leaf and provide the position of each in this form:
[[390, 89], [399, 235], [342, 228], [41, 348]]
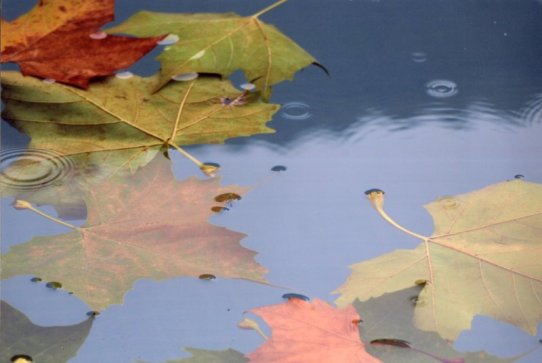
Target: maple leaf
[[59, 40], [120, 114], [54, 344], [221, 43], [304, 331], [389, 317], [483, 258], [146, 226]]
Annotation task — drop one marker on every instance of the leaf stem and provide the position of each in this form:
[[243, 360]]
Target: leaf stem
[[376, 197], [270, 7], [186, 154], [22, 204]]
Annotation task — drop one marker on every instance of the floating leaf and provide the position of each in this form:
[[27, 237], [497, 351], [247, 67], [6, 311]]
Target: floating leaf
[[147, 226], [55, 344], [389, 317], [483, 258], [59, 40], [121, 114], [221, 43], [211, 356], [314, 331]]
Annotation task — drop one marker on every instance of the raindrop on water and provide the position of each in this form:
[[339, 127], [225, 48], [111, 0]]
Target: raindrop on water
[[170, 39], [184, 77], [296, 111], [441, 88], [26, 169], [124, 75], [293, 295], [98, 35], [419, 57], [278, 168]]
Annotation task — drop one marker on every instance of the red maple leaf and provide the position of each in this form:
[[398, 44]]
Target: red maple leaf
[[60, 40], [310, 332]]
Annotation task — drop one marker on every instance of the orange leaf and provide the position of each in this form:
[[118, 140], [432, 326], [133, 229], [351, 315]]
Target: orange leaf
[[60, 40], [304, 332]]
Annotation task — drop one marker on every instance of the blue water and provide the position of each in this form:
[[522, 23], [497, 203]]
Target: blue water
[[426, 98]]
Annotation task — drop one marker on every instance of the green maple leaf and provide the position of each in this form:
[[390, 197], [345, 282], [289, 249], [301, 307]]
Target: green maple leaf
[[146, 226], [121, 114], [483, 258], [390, 317], [221, 43], [54, 344]]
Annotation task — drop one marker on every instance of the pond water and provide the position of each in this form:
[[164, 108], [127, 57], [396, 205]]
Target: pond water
[[425, 98]]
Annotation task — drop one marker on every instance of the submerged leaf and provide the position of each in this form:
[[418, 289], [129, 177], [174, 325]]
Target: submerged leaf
[[54, 344], [210, 356], [389, 317], [58, 40], [483, 258], [146, 226], [221, 43], [120, 114], [314, 331]]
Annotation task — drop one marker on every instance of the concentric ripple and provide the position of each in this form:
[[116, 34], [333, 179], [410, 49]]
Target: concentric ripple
[[296, 111], [441, 88], [27, 169]]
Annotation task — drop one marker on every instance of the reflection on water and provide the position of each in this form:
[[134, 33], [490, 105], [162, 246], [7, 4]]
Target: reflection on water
[[27, 169], [419, 57]]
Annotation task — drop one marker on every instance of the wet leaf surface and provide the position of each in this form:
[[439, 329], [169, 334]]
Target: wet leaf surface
[[390, 316], [60, 40], [314, 331], [54, 344], [221, 43], [121, 114], [148, 226], [483, 258]]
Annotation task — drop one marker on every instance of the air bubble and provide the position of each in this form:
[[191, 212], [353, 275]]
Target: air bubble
[[293, 295], [28, 169], [207, 277], [278, 168], [296, 111], [441, 88], [184, 77], [54, 285], [98, 35], [248, 86], [170, 39], [124, 75]]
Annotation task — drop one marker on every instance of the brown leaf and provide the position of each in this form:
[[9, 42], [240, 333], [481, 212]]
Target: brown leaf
[[60, 40], [149, 226], [304, 332]]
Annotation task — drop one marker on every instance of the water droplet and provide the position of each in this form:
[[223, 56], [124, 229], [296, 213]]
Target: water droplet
[[248, 86], [293, 295], [93, 313], [198, 55], [27, 169], [393, 342], [210, 169], [207, 277], [227, 197], [170, 39], [448, 202], [278, 168], [184, 77], [21, 358], [519, 176], [374, 191], [124, 75], [54, 285], [218, 209], [98, 35], [419, 57], [420, 282], [441, 88], [35, 279], [49, 80], [296, 111]]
